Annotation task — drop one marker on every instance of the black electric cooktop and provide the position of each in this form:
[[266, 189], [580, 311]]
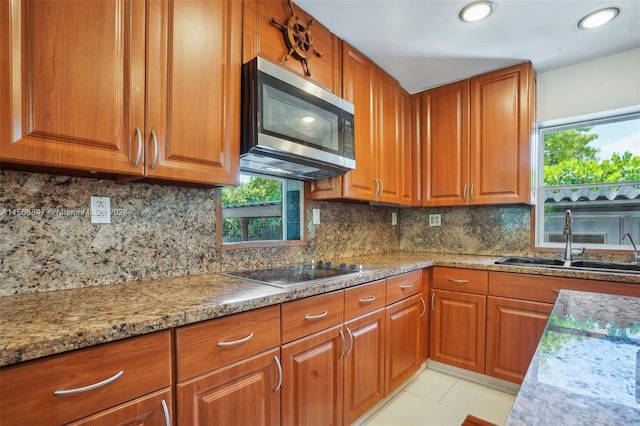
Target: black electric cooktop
[[294, 275]]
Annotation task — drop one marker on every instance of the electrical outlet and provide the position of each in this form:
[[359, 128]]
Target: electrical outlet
[[100, 210], [394, 218], [316, 216], [434, 220]]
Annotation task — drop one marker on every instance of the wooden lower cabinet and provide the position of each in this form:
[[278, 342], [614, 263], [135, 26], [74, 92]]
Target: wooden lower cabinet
[[403, 351], [153, 409], [313, 372], [363, 364], [514, 328], [244, 393], [458, 329]]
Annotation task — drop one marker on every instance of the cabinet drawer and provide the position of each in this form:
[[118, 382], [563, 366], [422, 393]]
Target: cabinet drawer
[[404, 285], [364, 298], [306, 316], [27, 390], [545, 289], [212, 344], [462, 280]]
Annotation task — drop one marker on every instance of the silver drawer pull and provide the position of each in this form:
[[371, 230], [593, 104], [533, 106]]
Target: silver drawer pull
[[404, 286], [459, 281], [90, 387], [155, 150], [312, 317], [367, 299], [236, 342]]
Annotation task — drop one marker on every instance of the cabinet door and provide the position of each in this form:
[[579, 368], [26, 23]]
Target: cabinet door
[[193, 100], [153, 409], [458, 329], [244, 393], [409, 159], [359, 77], [501, 125], [402, 341], [445, 164], [514, 328], [363, 365], [312, 386], [74, 90], [389, 148], [262, 38]]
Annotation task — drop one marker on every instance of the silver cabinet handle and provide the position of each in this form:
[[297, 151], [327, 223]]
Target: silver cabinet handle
[[367, 299], [458, 281], [155, 150], [90, 387], [381, 187], [473, 185], [405, 286], [236, 342], [279, 385], [464, 193], [344, 342], [139, 138], [377, 191], [165, 410], [313, 317], [350, 341], [433, 296], [424, 307]]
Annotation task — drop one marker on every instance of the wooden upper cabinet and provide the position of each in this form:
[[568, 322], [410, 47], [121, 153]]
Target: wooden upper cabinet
[[383, 137], [409, 153], [359, 87], [389, 143], [445, 161], [125, 88], [74, 89], [501, 125], [193, 97], [262, 38], [475, 136]]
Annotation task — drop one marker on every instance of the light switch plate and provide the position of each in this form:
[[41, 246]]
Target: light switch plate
[[100, 210], [394, 218], [316, 216], [435, 220]]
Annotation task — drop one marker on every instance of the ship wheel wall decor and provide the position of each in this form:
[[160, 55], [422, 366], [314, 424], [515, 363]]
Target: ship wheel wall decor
[[297, 37]]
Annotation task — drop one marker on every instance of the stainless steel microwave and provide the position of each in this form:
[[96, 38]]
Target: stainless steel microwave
[[292, 127]]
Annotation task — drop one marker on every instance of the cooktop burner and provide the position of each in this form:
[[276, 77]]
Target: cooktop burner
[[294, 275]]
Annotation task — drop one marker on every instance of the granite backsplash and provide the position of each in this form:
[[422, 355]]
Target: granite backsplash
[[167, 231]]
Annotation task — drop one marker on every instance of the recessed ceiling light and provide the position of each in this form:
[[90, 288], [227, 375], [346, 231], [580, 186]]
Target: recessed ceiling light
[[598, 18], [476, 11]]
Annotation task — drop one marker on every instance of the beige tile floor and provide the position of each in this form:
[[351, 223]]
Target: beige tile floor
[[437, 399]]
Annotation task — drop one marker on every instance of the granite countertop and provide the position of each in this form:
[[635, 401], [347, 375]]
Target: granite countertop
[[586, 369], [41, 324]]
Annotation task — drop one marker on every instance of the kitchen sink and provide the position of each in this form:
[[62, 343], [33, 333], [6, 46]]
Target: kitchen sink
[[610, 266], [589, 265]]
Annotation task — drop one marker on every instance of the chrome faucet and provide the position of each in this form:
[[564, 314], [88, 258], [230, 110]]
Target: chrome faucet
[[569, 252], [636, 256]]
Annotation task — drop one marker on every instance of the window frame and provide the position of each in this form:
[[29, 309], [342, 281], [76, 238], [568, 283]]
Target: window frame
[[262, 243], [585, 120]]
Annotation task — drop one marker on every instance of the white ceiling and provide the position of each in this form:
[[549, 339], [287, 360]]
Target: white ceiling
[[423, 44]]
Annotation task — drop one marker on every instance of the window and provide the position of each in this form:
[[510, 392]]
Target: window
[[262, 209], [591, 166]]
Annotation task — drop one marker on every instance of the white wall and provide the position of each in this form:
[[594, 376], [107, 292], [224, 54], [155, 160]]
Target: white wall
[[599, 85]]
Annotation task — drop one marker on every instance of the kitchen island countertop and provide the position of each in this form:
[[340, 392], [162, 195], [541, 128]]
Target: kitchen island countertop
[[41, 324], [586, 369]]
